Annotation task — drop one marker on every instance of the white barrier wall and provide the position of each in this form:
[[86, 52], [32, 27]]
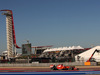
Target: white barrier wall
[[45, 64]]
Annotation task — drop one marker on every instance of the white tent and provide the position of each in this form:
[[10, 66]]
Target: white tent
[[87, 54]]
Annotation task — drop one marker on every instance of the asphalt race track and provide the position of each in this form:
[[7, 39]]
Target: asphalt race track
[[89, 70]]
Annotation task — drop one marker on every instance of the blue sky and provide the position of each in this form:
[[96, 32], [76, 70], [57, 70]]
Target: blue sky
[[53, 22]]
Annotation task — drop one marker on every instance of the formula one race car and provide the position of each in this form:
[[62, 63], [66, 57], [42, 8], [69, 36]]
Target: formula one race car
[[62, 67]]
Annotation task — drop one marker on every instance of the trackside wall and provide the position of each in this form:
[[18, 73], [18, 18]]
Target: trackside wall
[[36, 64]]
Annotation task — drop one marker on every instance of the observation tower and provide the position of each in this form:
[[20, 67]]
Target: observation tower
[[10, 34]]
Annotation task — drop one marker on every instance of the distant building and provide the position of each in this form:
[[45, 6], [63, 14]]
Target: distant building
[[26, 49]]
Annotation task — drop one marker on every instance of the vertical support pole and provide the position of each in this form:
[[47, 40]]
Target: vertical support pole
[[35, 50], [15, 51], [28, 58]]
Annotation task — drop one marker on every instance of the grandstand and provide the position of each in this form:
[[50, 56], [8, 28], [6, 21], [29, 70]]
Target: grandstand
[[63, 54]]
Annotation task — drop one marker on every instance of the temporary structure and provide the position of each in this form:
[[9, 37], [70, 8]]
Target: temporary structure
[[87, 54]]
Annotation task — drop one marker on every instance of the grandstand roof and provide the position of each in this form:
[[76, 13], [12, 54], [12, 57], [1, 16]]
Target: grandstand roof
[[63, 48]]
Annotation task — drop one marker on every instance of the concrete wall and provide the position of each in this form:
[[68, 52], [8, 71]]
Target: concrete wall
[[36, 64]]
